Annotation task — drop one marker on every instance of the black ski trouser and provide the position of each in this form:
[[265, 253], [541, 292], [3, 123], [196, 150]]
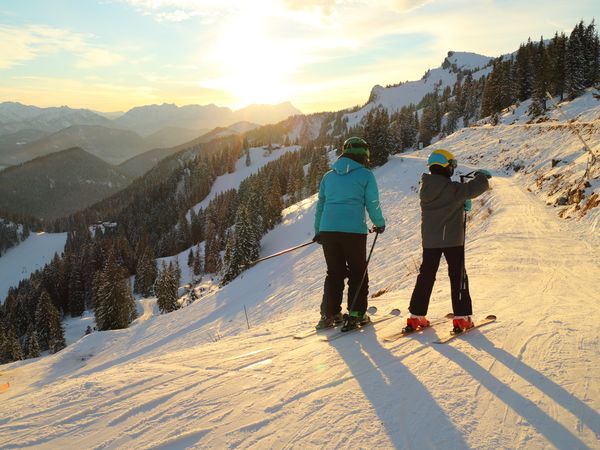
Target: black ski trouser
[[461, 301], [346, 257]]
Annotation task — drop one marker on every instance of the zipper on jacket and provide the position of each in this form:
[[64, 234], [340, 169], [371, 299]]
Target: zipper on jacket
[[444, 233]]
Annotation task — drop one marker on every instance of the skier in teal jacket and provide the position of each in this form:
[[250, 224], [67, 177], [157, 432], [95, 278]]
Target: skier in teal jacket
[[345, 193]]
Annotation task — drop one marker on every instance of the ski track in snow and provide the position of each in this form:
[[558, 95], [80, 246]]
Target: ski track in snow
[[530, 380]]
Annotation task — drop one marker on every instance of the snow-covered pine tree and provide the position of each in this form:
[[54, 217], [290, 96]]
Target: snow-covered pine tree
[[166, 289], [557, 51], [114, 304], [191, 257], [575, 62], [145, 274], [76, 291], [13, 347], [32, 347], [540, 84], [197, 268], [47, 323]]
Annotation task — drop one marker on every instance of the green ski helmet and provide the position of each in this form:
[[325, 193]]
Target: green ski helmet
[[356, 146]]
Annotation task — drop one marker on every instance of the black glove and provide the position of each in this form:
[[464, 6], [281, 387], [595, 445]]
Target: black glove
[[379, 230], [317, 238]]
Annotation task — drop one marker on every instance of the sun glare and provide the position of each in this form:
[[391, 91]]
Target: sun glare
[[252, 66]]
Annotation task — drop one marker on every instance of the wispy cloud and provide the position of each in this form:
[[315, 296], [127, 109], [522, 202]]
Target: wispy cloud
[[20, 44]]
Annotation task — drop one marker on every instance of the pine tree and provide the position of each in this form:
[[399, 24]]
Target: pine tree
[[197, 268], [114, 304], [3, 344], [48, 327], [191, 258], [244, 245], [76, 291], [15, 353], [145, 274], [575, 62], [557, 62], [540, 84], [32, 349], [166, 289]]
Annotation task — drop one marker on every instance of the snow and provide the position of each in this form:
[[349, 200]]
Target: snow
[[259, 157], [412, 92], [19, 262], [199, 378]]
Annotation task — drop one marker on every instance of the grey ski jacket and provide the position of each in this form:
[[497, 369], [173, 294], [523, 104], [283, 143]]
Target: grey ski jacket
[[442, 208]]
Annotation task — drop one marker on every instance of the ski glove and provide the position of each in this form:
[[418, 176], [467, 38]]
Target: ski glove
[[379, 230], [485, 172], [468, 204], [317, 238]]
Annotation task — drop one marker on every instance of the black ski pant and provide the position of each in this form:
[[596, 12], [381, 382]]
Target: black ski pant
[[461, 299], [346, 257]]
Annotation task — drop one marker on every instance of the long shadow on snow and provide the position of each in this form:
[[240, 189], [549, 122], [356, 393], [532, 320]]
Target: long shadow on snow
[[411, 416], [556, 392], [555, 432]]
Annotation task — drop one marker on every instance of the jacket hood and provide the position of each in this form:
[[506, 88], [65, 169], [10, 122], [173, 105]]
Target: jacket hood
[[345, 165], [432, 185]]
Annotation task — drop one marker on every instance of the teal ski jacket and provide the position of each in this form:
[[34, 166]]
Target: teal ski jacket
[[344, 194]]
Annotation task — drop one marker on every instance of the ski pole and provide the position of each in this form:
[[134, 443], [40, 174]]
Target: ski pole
[[463, 272], [282, 252], [363, 275]]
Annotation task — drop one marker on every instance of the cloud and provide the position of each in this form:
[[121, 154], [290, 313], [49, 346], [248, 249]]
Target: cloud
[[20, 44]]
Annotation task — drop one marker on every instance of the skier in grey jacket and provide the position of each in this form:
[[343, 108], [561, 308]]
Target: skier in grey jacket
[[443, 203]]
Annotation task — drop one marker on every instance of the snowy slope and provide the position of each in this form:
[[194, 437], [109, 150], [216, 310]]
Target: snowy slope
[[198, 378], [19, 262], [394, 98], [259, 157]]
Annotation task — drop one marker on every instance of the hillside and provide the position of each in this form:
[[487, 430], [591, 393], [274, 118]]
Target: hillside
[[142, 163], [199, 378], [110, 144], [58, 184], [392, 98]]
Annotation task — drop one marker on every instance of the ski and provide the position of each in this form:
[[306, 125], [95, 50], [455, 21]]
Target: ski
[[374, 320], [404, 332], [488, 319], [325, 331]]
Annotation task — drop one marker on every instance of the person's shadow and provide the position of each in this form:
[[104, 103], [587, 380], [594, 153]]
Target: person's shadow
[[560, 395], [551, 429], [411, 416]]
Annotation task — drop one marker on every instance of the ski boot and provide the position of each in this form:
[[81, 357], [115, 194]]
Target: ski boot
[[461, 323], [329, 321], [414, 323], [354, 320]]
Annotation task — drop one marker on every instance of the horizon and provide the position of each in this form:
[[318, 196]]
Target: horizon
[[321, 55]]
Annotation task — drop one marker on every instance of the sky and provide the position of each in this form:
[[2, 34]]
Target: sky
[[322, 55]]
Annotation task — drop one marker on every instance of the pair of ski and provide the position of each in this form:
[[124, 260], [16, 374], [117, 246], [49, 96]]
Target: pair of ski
[[442, 340], [335, 332]]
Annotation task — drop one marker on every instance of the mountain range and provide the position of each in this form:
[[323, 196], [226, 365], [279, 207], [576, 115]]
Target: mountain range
[[28, 131]]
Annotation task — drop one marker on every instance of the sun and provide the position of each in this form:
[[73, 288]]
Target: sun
[[252, 66]]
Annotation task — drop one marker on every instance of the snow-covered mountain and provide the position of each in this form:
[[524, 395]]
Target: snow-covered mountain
[[411, 92], [210, 376], [15, 117]]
